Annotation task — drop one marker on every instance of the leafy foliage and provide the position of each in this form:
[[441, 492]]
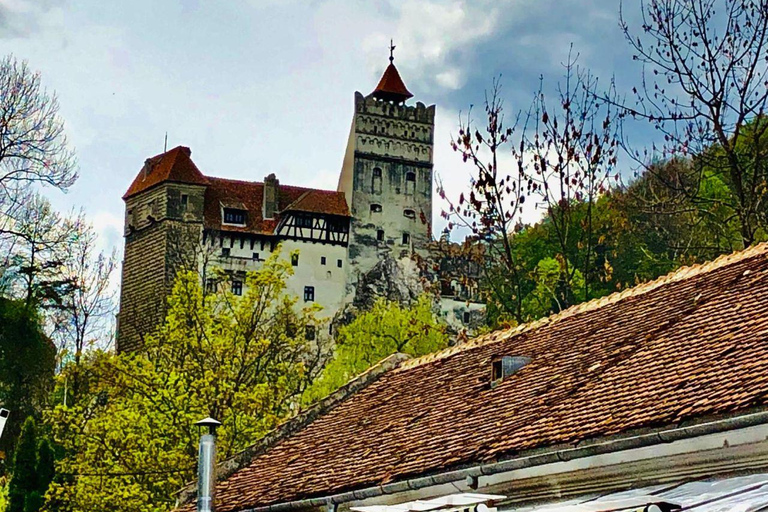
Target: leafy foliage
[[32, 471], [27, 360], [385, 329], [128, 437]]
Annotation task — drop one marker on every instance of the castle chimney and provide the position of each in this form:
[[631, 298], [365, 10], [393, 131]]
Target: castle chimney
[[269, 204], [206, 466]]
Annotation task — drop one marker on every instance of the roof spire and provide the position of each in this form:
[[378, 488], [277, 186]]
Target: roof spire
[[391, 86]]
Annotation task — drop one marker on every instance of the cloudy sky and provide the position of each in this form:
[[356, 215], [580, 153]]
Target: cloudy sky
[[261, 86]]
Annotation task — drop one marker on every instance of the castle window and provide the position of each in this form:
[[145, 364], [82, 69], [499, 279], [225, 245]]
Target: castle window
[[237, 287], [466, 317], [322, 260], [409, 214], [295, 259], [225, 251], [375, 208], [380, 235], [376, 181], [338, 263], [234, 216], [309, 333], [406, 238], [410, 183], [303, 221], [184, 202], [309, 294], [255, 256]]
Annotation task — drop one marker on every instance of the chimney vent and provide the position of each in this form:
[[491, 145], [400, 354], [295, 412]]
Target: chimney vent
[[269, 204], [505, 366], [206, 466]]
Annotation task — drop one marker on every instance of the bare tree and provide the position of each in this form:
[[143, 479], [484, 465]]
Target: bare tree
[[37, 243], [492, 208], [705, 88], [84, 318], [33, 147], [573, 145]]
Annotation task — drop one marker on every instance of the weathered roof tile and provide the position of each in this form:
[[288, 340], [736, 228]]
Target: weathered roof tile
[[658, 354]]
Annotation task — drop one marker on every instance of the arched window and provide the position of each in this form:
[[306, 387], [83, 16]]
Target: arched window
[[376, 181], [410, 183]]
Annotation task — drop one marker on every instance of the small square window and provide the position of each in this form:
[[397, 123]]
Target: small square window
[[380, 235], [338, 263], [322, 260], [295, 260], [406, 238], [225, 251], [256, 256], [309, 293], [234, 216], [466, 317], [237, 287]]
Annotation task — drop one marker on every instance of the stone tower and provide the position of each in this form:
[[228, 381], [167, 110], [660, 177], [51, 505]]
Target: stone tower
[[387, 175], [163, 218]]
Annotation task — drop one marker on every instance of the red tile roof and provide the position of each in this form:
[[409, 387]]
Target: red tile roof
[[320, 201], [176, 165], [391, 86], [689, 345], [250, 195], [173, 165]]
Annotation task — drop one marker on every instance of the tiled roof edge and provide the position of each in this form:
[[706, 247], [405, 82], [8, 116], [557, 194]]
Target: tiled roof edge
[[228, 467], [680, 274]]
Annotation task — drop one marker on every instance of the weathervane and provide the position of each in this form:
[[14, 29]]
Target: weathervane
[[391, 51]]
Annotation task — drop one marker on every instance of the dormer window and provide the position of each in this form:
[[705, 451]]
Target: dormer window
[[234, 216]]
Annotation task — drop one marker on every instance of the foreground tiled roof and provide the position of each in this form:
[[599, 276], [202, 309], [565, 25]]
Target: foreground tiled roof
[[391, 86], [689, 345], [173, 165]]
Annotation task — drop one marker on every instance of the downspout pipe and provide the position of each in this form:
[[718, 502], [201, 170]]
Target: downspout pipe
[[448, 477]]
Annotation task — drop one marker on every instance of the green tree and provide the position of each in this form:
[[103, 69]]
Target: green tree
[[385, 329], [244, 360], [27, 361], [23, 487]]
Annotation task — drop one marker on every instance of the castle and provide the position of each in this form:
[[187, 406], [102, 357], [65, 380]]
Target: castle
[[382, 207]]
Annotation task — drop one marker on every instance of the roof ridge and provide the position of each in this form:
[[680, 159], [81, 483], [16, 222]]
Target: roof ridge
[[292, 425], [680, 274], [282, 186]]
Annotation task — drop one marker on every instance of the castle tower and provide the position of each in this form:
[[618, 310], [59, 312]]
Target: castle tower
[[387, 175], [163, 220]]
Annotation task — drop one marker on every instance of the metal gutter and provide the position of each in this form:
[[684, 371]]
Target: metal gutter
[[564, 455]]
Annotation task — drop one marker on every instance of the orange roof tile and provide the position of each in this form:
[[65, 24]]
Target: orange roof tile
[[391, 86], [647, 357], [173, 165], [320, 201], [250, 195]]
